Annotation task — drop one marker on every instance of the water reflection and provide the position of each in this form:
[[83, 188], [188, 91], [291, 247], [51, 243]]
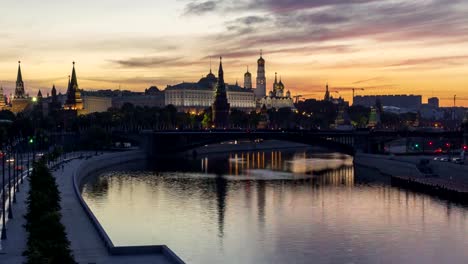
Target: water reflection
[[210, 211]]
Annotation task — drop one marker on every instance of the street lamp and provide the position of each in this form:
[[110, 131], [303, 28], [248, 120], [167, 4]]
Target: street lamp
[[10, 212], [4, 234]]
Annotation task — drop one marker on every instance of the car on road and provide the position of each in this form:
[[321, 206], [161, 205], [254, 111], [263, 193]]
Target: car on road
[[458, 161], [444, 159]]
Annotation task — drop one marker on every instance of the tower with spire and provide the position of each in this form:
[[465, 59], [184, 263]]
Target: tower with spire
[[248, 79], [74, 101], [220, 107], [260, 90], [19, 90], [20, 101], [327, 94]]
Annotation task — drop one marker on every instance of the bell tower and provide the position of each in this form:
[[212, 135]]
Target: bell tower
[[260, 90]]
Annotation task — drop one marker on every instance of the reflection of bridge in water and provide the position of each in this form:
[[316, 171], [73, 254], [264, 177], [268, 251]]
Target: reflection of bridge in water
[[322, 169]]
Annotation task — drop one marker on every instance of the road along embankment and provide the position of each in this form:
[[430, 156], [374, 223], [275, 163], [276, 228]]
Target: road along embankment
[[451, 185]]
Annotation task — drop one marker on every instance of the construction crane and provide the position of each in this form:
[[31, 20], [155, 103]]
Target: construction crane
[[351, 88], [299, 96], [455, 98]]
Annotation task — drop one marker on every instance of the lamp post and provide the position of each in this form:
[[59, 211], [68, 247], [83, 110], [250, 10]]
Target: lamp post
[[10, 212], [4, 234]]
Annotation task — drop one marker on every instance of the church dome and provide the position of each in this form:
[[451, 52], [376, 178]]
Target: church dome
[[288, 94], [261, 61], [271, 93], [248, 74], [281, 85], [210, 76]]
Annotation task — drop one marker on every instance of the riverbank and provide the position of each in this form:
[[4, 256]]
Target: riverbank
[[446, 180], [89, 241]]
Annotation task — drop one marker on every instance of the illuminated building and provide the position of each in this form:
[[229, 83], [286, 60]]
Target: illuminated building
[[277, 98], [248, 79], [2, 99], [96, 104], [196, 97], [260, 90]]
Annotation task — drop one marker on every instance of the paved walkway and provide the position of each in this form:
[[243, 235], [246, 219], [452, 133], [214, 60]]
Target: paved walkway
[[86, 245], [15, 244]]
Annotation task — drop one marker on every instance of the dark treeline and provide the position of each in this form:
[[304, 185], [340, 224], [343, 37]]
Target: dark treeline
[[47, 240]]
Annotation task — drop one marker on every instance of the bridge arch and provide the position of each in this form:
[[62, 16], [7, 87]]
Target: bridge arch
[[161, 143]]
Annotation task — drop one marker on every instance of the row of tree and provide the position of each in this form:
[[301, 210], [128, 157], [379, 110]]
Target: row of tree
[[47, 239]]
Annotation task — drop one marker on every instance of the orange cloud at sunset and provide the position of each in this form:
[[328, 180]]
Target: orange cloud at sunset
[[385, 47]]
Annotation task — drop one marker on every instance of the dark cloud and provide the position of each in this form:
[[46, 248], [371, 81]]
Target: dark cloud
[[293, 5], [302, 50], [147, 62], [368, 80], [200, 8], [380, 21], [433, 61]]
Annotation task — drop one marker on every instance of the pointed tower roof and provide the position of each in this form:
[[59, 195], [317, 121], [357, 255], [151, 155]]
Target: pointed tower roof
[[39, 94], [220, 71], [54, 91], [74, 81], [19, 78], [276, 77]]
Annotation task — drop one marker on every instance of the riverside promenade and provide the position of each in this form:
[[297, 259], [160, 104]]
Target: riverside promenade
[[446, 179], [88, 242]]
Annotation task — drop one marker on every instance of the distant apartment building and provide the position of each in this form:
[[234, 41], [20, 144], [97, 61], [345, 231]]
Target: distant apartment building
[[412, 102], [434, 102]]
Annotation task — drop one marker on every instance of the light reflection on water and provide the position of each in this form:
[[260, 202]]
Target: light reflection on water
[[276, 207]]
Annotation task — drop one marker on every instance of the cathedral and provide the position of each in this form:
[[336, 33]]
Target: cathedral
[[277, 98]]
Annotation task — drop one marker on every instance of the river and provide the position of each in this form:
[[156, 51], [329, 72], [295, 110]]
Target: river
[[291, 206]]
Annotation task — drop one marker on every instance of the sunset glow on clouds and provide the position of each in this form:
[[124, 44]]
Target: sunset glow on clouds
[[385, 46]]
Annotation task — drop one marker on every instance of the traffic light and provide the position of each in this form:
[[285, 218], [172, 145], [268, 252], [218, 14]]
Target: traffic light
[[416, 145], [431, 143], [465, 147]]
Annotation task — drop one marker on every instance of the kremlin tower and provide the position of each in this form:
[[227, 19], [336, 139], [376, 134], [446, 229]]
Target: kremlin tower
[[260, 90], [220, 106]]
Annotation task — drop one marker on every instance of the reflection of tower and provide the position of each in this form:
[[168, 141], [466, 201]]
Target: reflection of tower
[[220, 106], [221, 193], [261, 202], [260, 90], [248, 79], [2, 98]]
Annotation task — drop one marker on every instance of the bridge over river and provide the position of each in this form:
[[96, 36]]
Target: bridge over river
[[348, 142]]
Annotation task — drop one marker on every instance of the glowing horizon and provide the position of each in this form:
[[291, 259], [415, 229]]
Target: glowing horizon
[[387, 46]]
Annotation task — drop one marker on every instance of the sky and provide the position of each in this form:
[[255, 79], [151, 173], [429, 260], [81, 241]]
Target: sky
[[381, 46]]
